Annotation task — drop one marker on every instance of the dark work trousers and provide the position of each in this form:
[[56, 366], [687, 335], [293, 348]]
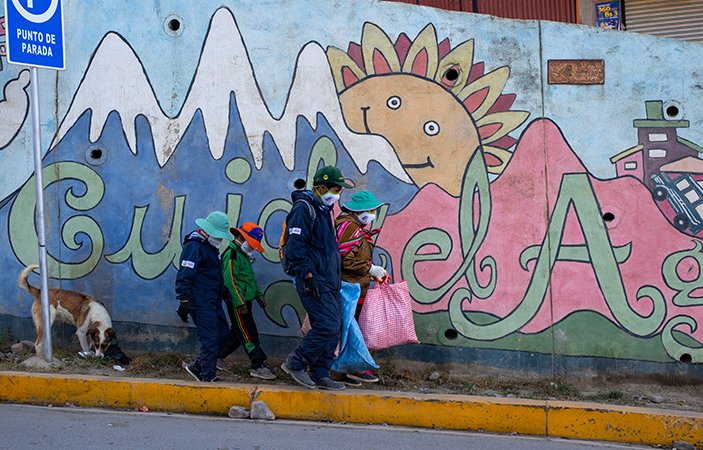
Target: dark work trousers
[[317, 349], [243, 333], [212, 329]]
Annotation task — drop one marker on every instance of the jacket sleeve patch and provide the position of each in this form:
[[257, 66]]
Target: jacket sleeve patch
[[295, 230], [188, 264]]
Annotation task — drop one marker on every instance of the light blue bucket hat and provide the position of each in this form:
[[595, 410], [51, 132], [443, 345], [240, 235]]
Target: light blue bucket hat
[[363, 201], [216, 225]]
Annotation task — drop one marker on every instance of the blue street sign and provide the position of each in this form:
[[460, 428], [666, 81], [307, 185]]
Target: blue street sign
[[34, 33]]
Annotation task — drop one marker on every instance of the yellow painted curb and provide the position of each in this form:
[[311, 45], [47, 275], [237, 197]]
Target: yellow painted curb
[[624, 424], [459, 412]]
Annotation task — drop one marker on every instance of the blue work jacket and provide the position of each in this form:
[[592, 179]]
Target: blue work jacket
[[312, 248], [199, 279]]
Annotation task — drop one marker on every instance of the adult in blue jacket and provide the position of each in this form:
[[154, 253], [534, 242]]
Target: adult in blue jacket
[[313, 255], [200, 288]]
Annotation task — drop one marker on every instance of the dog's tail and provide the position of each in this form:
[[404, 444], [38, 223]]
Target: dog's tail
[[22, 281]]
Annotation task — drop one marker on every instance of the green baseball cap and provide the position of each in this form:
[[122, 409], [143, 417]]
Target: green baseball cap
[[215, 225], [363, 201], [331, 174]]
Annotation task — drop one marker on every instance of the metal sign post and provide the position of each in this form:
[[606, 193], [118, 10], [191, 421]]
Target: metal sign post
[[35, 38]]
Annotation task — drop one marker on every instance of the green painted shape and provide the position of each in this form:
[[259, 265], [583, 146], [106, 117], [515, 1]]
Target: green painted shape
[[323, 150], [676, 343], [238, 170], [575, 190], [690, 144], [281, 294], [475, 181], [151, 265], [644, 123], [21, 226], [574, 253], [271, 248], [583, 333], [685, 288]]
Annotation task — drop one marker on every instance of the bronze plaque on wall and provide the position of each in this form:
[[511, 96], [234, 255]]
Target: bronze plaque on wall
[[575, 71]]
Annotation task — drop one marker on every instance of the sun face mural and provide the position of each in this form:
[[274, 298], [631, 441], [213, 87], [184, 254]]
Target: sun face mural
[[429, 101]]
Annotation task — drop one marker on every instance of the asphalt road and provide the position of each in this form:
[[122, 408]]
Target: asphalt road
[[36, 427]]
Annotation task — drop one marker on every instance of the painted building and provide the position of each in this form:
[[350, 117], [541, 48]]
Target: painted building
[[498, 179]]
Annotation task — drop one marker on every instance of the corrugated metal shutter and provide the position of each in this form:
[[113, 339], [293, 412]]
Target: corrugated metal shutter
[[556, 10], [679, 19]]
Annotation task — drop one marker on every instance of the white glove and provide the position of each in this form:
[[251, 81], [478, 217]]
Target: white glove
[[377, 272]]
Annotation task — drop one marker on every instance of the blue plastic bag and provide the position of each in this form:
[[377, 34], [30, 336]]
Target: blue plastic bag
[[353, 355]]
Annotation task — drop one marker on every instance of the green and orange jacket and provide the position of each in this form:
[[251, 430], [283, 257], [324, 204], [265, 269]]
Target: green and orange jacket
[[239, 276]]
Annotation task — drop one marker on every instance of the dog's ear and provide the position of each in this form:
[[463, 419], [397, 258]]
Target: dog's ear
[[92, 331], [110, 333]]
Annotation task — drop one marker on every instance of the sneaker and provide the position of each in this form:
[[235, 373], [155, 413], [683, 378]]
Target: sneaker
[[221, 365], [190, 368], [301, 376], [214, 380], [262, 372], [364, 377], [327, 383], [350, 382]]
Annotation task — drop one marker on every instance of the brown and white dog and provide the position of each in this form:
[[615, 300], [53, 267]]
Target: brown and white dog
[[88, 315]]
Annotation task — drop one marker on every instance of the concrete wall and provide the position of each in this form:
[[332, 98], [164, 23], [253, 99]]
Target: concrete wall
[[526, 244]]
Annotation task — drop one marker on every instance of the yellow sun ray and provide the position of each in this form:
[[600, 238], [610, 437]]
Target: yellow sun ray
[[426, 40], [494, 81], [373, 38], [462, 56], [339, 59], [503, 155], [508, 120]]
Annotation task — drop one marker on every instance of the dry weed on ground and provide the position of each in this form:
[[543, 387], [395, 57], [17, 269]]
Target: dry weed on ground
[[169, 366]]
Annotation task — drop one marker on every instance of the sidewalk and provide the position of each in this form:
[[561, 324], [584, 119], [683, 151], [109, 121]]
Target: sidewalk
[[496, 415]]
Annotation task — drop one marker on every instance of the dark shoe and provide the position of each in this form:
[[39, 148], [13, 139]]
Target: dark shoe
[[214, 380], [327, 383], [195, 373], [301, 376], [262, 372], [364, 377], [221, 365], [350, 382]]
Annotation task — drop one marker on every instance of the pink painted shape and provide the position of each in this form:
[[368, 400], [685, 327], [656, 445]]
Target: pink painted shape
[[379, 63], [356, 55], [476, 72], [523, 199], [420, 63], [348, 77], [402, 45], [443, 48], [503, 103], [474, 100], [489, 130]]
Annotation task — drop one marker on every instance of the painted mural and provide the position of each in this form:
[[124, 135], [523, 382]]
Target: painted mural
[[511, 236]]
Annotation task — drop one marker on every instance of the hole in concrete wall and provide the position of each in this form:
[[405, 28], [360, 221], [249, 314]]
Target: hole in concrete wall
[[95, 156], [686, 358], [299, 184], [174, 24], [452, 74], [672, 111], [451, 334], [608, 217]]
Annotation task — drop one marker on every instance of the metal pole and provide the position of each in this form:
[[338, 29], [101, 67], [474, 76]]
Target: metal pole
[[39, 215]]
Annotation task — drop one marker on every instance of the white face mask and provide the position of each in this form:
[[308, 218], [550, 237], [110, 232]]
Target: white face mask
[[246, 248], [215, 242], [329, 198], [366, 217]]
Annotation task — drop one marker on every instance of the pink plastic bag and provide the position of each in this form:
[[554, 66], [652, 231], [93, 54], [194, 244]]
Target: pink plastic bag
[[387, 317]]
